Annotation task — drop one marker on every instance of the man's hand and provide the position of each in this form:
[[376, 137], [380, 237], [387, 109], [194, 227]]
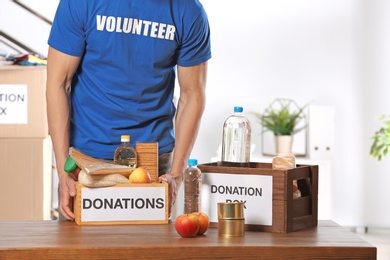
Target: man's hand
[[67, 193], [174, 183]]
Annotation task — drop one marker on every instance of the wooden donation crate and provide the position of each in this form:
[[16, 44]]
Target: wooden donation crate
[[267, 195], [126, 203]]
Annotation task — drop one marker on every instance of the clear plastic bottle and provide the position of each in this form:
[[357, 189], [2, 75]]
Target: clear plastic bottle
[[236, 140], [125, 154], [192, 187]]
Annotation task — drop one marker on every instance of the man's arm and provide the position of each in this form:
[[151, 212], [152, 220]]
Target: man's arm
[[192, 81], [60, 70]]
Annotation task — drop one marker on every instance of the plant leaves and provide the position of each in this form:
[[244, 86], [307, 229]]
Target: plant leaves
[[282, 120], [381, 140]]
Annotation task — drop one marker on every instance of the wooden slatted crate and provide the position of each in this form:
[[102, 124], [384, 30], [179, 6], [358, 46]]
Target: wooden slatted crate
[[287, 214], [122, 204], [126, 203]]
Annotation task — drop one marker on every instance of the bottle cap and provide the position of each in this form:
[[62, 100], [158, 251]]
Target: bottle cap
[[70, 165], [125, 138], [192, 162], [238, 109]]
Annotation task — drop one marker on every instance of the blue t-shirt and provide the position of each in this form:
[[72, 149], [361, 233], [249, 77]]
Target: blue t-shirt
[[126, 77]]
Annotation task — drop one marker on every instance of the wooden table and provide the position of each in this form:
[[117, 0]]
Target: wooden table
[[67, 240]]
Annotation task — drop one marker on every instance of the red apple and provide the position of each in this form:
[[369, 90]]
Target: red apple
[[204, 222], [140, 175], [187, 225]]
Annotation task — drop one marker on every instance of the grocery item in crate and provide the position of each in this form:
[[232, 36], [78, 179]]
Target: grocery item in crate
[[95, 166], [125, 154], [285, 162]]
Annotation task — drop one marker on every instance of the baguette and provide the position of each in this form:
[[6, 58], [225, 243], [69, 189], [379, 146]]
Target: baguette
[[95, 166]]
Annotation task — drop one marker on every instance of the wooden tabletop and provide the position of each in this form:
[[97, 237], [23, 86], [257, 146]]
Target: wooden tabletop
[[67, 240]]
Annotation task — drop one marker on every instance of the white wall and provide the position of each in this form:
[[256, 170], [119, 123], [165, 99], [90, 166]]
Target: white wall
[[26, 27], [310, 51], [327, 52], [374, 94]]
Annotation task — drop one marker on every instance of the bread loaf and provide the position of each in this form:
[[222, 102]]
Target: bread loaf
[[95, 166], [285, 162]]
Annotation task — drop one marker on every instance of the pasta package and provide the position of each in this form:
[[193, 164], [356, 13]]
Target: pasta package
[[97, 181]]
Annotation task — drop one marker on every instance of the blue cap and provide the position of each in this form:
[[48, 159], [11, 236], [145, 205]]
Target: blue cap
[[192, 162], [238, 109]]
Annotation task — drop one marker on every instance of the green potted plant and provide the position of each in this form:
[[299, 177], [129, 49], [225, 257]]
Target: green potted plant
[[283, 118], [381, 139]]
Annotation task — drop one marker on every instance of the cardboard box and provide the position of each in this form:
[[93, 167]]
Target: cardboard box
[[267, 195], [122, 204], [23, 102], [26, 179]]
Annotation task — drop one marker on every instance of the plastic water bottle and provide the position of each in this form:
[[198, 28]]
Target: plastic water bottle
[[236, 140], [125, 154], [192, 187]]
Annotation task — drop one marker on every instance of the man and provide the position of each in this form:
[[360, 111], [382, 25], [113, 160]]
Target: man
[[111, 71]]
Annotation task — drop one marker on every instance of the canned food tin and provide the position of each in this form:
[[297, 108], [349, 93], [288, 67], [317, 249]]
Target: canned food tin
[[231, 227], [231, 221], [230, 210]]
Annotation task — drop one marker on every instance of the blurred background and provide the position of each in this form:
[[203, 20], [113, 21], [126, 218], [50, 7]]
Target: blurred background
[[332, 54]]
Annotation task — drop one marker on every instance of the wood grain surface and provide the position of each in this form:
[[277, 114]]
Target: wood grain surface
[[67, 240]]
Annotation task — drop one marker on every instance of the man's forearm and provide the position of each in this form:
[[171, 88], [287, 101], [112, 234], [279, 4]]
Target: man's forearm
[[190, 110], [60, 70], [58, 119], [187, 126]]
